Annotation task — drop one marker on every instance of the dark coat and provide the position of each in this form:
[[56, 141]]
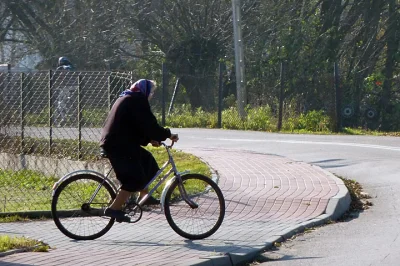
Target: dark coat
[[130, 123]]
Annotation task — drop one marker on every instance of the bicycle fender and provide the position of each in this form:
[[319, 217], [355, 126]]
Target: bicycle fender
[[164, 192], [79, 172]]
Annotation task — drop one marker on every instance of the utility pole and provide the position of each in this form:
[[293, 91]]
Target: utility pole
[[239, 58]]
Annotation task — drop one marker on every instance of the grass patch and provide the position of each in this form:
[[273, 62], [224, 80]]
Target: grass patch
[[360, 131], [25, 190], [13, 219], [90, 118], [60, 148], [10, 243], [28, 190]]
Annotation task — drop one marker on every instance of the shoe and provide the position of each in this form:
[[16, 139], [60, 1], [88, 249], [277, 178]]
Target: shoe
[[150, 201], [119, 216]]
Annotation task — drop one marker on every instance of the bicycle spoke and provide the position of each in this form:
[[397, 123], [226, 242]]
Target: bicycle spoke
[[199, 222], [74, 216]]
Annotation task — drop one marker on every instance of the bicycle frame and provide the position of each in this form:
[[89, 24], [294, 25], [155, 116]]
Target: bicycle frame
[[173, 170], [177, 176], [179, 190]]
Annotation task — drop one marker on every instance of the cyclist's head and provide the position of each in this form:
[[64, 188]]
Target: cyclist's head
[[145, 86], [63, 61]]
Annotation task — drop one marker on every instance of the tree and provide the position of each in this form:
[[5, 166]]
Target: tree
[[85, 31], [391, 59], [192, 35]]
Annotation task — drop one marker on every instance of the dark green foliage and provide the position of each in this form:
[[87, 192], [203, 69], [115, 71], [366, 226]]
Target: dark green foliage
[[193, 36], [257, 119]]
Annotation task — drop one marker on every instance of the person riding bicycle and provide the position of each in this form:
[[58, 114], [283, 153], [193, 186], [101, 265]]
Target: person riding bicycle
[[131, 124]]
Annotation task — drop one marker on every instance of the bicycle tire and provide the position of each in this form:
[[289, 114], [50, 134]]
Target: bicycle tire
[[83, 186], [183, 219]]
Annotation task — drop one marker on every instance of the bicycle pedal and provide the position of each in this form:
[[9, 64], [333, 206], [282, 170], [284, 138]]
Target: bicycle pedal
[[122, 220]]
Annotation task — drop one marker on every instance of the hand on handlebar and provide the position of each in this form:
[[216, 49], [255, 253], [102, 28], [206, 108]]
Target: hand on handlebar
[[174, 137], [155, 143]]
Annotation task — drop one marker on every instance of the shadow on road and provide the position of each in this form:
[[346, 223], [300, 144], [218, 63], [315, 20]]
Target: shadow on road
[[329, 163], [200, 245], [272, 256], [13, 264]]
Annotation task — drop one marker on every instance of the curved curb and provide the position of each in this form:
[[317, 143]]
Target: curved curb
[[20, 250], [336, 207], [14, 251], [214, 173]]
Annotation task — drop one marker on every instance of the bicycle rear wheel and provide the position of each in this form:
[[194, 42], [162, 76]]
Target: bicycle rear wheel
[[72, 213], [201, 221]]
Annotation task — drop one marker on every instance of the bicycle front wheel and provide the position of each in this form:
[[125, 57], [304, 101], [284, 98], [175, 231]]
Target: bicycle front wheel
[[72, 212], [203, 219]]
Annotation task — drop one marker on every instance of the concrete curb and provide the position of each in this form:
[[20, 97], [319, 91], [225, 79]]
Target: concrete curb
[[20, 250], [214, 173], [337, 206], [13, 251]]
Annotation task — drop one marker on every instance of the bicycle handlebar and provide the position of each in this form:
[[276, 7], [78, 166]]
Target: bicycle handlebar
[[166, 145]]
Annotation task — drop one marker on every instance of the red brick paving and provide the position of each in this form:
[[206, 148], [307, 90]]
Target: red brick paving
[[265, 196]]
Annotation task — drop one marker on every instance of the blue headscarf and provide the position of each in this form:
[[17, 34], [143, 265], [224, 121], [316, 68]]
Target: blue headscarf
[[143, 86]]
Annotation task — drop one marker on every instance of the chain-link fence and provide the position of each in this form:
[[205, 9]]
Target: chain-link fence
[[50, 125], [50, 122]]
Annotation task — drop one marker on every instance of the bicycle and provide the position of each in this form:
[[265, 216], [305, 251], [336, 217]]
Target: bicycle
[[193, 204]]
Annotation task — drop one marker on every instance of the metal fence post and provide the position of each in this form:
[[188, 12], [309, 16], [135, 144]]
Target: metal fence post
[[79, 117], [338, 99], [109, 91], [22, 87], [50, 110], [164, 88], [220, 91], [171, 105], [281, 95]]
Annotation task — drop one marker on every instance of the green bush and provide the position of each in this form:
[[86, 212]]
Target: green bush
[[231, 119], [183, 117], [259, 119], [313, 121]]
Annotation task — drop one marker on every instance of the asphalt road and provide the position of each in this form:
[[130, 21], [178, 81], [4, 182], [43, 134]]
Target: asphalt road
[[370, 239]]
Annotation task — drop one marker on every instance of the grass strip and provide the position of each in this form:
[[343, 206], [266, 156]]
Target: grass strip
[[11, 243]]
